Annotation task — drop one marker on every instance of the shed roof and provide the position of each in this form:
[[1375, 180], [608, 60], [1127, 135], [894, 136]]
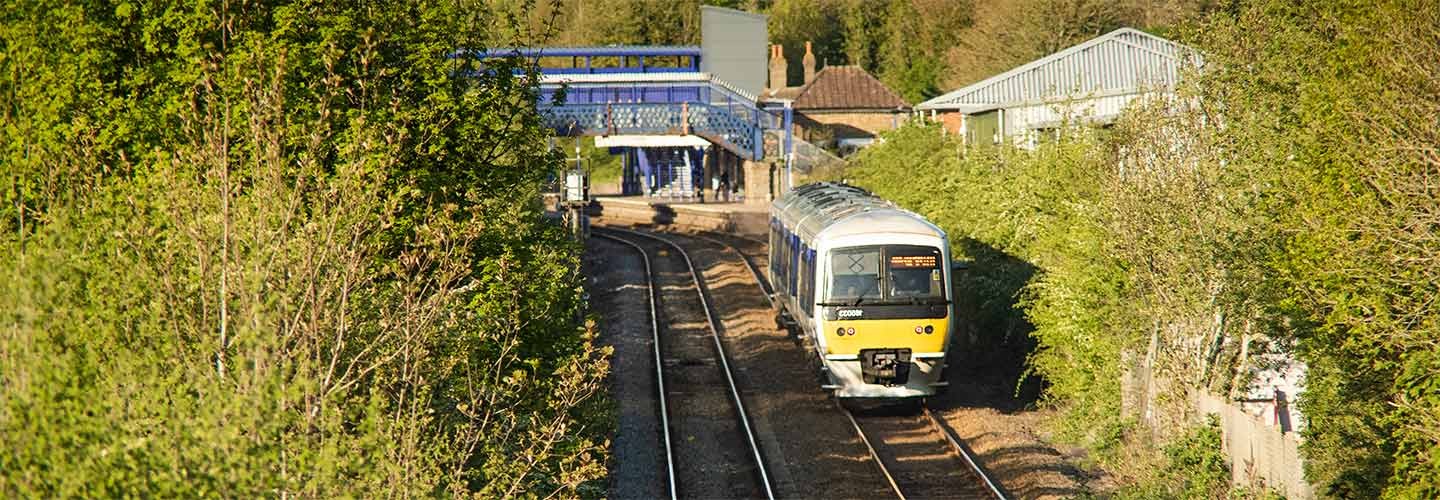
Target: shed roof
[[843, 87], [1121, 61]]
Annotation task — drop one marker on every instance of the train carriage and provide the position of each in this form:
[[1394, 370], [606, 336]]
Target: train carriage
[[868, 283]]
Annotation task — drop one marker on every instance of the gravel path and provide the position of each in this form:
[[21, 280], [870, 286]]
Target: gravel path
[[617, 292]]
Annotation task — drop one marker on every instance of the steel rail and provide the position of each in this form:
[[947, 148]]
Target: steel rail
[[874, 455], [954, 442], [720, 351], [659, 368]]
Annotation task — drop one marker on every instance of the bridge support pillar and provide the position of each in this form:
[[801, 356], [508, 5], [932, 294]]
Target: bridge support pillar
[[759, 182]]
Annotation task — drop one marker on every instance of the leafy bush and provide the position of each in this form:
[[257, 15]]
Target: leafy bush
[[1282, 201], [262, 250], [1193, 467]]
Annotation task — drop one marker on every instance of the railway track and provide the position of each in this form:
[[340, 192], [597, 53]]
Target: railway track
[[918, 454], [710, 448]]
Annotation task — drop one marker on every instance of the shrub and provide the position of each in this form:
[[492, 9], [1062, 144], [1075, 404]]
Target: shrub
[[262, 250]]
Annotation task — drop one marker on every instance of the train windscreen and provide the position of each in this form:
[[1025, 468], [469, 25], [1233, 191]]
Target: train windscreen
[[891, 273]]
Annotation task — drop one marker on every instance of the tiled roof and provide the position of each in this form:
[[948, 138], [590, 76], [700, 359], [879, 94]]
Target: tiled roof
[[846, 87]]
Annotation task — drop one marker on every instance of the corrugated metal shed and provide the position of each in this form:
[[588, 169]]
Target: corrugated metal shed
[[1122, 61]]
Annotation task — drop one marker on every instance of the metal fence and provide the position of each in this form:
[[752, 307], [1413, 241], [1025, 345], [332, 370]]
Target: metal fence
[[1259, 453]]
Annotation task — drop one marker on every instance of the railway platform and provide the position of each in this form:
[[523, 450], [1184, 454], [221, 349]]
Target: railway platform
[[723, 217]]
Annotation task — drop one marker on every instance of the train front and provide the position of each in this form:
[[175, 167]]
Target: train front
[[885, 316]]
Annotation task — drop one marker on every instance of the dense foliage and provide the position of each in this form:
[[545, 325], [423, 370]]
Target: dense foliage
[[271, 249], [1283, 203], [920, 48]]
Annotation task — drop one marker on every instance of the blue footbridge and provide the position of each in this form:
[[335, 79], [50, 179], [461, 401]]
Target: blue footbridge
[[678, 129]]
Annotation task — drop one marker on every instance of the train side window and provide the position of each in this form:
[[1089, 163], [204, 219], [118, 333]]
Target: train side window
[[785, 266], [782, 244], [795, 262], [804, 286], [809, 301], [774, 247]]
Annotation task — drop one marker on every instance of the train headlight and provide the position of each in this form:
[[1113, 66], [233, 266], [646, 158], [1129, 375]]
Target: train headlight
[[929, 329], [840, 331], [918, 329], [850, 331]]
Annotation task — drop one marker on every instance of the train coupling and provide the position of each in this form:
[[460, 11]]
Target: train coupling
[[885, 366]]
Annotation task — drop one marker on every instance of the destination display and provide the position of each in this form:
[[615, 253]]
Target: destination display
[[912, 262]]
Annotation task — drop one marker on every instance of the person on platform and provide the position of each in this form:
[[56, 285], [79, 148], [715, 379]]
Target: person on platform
[[724, 186]]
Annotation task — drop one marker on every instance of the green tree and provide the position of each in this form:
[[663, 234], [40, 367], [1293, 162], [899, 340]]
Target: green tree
[[864, 33], [282, 249], [794, 22], [917, 35]]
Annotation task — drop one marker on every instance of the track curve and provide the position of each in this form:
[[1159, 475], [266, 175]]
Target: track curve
[[689, 363]]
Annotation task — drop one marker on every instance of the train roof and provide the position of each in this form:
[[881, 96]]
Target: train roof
[[842, 209]]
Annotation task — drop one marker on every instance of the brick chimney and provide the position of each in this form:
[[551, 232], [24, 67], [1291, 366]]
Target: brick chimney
[[777, 67], [809, 63]]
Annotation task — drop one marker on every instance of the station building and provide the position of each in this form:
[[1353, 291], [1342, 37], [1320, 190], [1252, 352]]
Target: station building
[[838, 107]]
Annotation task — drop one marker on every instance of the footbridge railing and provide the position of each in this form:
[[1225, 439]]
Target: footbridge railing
[[737, 130]]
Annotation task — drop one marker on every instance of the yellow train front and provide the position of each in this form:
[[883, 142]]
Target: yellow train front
[[868, 284]]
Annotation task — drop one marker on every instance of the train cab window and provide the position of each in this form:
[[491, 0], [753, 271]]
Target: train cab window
[[855, 274], [914, 272], [888, 274]]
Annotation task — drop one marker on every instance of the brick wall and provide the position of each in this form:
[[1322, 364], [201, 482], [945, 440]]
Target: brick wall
[[950, 120], [848, 124]]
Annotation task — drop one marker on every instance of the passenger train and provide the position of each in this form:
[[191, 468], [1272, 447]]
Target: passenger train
[[868, 284]]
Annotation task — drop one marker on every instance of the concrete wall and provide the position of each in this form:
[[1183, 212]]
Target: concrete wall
[[1259, 453], [721, 217], [1019, 119]]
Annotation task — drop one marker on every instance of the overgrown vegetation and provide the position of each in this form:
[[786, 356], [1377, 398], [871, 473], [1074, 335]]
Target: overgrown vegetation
[[275, 249], [1282, 202], [1191, 466]]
